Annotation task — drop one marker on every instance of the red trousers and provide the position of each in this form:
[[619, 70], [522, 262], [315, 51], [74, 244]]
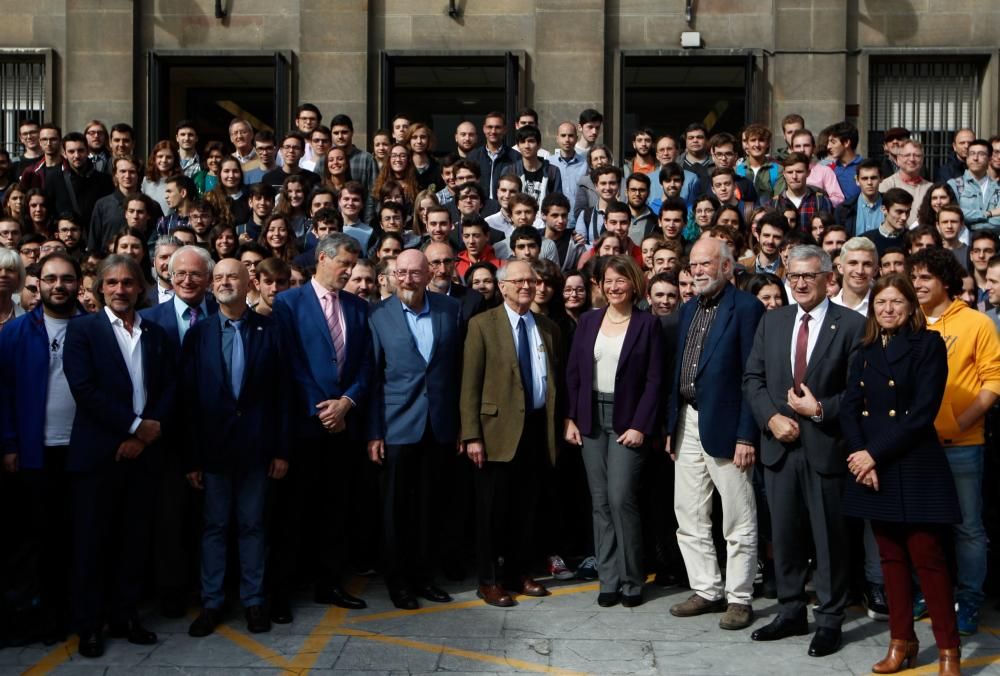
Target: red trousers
[[904, 547]]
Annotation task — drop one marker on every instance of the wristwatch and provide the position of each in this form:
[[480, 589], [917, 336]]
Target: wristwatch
[[818, 418]]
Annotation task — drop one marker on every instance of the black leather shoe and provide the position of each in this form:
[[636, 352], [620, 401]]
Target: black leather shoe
[[257, 620], [204, 624], [826, 642], [403, 599], [780, 628], [608, 599], [432, 593], [336, 596], [631, 600], [133, 631], [91, 644], [281, 611]]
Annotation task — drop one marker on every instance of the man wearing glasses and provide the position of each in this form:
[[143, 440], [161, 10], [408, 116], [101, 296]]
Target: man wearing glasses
[[909, 177], [292, 147], [794, 379], [412, 424], [978, 193], [27, 133], [509, 430]]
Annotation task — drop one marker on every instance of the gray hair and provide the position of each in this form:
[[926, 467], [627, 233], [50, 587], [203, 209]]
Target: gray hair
[[198, 251], [165, 240], [804, 252], [859, 244], [11, 260], [502, 271], [334, 242], [118, 261]]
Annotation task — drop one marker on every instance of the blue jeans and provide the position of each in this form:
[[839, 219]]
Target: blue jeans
[[970, 536], [247, 490]]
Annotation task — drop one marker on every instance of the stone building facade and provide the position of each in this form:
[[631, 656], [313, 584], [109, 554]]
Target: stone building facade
[[931, 65]]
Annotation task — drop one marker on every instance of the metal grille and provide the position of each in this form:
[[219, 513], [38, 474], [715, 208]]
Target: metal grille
[[22, 95], [933, 99]]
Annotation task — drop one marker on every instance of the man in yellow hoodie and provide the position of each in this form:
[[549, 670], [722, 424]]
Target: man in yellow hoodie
[[972, 388]]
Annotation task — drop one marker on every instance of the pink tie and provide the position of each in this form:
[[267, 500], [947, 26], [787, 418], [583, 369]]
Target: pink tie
[[332, 315]]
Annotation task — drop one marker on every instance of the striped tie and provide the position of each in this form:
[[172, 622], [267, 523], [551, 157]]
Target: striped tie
[[333, 322]]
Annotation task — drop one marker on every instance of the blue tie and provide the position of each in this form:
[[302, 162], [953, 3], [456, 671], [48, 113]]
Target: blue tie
[[524, 363], [237, 360]]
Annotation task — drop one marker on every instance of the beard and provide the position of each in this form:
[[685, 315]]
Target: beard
[[226, 296]]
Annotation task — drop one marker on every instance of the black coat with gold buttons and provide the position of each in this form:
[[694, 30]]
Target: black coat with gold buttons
[[893, 395]]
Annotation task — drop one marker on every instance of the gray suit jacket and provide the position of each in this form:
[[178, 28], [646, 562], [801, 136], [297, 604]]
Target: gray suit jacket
[[768, 377]]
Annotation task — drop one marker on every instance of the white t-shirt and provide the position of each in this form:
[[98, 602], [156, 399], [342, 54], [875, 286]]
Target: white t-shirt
[[60, 408]]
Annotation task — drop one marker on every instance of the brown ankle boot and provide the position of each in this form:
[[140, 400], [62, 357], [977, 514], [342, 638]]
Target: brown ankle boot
[[900, 650], [948, 660]]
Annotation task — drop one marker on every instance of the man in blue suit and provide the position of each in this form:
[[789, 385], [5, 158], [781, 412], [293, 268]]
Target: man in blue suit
[[36, 418], [177, 522], [236, 415], [413, 421], [120, 372], [714, 340], [329, 353]]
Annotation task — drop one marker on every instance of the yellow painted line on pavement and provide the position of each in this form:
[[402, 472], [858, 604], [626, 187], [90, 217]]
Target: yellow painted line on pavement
[[61, 653], [252, 646], [321, 634]]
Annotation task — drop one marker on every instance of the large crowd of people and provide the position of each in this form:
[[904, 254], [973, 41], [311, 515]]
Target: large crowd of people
[[240, 370]]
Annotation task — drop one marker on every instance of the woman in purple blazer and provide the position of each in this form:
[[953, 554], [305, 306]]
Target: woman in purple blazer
[[613, 383]]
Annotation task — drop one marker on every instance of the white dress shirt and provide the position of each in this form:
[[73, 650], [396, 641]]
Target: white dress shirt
[[130, 345], [861, 308], [539, 367], [817, 315]]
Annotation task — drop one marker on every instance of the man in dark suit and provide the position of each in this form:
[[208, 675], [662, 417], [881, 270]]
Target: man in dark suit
[[120, 372], [329, 353], [413, 422], [794, 380], [509, 429], [494, 158], [714, 339], [236, 414], [190, 272]]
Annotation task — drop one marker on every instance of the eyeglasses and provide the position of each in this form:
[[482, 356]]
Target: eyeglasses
[[412, 274], [442, 261], [638, 190], [397, 156], [807, 277], [728, 155], [193, 276], [527, 281], [30, 251], [291, 147], [52, 279], [570, 291]]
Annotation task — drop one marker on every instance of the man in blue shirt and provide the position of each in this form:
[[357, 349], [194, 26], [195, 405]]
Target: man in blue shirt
[[863, 212], [842, 145], [571, 164]]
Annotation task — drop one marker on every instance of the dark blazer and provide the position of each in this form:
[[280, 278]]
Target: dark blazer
[[503, 164], [724, 414], [892, 398], [637, 379], [224, 433], [24, 385], [406, 391], [165, 315], [99, 381], [768, 377], [311, 355], [492, 396]]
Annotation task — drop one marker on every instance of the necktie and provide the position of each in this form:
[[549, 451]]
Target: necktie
[[192, 316], [524, 363], [237, 360], [333, 322], [801, 348]]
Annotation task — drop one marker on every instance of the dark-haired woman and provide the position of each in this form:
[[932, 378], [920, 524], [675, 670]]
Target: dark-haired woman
[[902, 480]]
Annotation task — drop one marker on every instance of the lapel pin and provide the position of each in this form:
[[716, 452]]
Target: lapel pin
[[260, 328], [833, 327]]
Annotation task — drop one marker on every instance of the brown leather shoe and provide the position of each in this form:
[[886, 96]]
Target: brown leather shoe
[[737, 616], [696, 605], [900, 651], [529, 587], [494, 595], [948, 662]]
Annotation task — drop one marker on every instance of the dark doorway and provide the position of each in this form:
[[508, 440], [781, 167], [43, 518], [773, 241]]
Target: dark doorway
[[213, 89], [667, 93], [441, 91]]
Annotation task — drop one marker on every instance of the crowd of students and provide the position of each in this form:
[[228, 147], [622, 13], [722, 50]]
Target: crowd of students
[[312, 258]]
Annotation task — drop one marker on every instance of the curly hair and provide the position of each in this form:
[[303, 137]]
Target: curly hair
[[942, 264]]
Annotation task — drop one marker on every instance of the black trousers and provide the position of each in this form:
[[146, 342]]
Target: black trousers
[[46, 546], [411, 492], [113, 517], [309, 516], [178, 527], [507, 504]]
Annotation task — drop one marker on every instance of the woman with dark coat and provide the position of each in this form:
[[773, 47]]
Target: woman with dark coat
[[903, 483], [613, 387]]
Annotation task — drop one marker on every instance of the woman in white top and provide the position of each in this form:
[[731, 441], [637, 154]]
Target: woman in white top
[[613, 382]]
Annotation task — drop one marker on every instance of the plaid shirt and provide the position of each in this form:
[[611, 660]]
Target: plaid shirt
[[813, 202], [701, 323]]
